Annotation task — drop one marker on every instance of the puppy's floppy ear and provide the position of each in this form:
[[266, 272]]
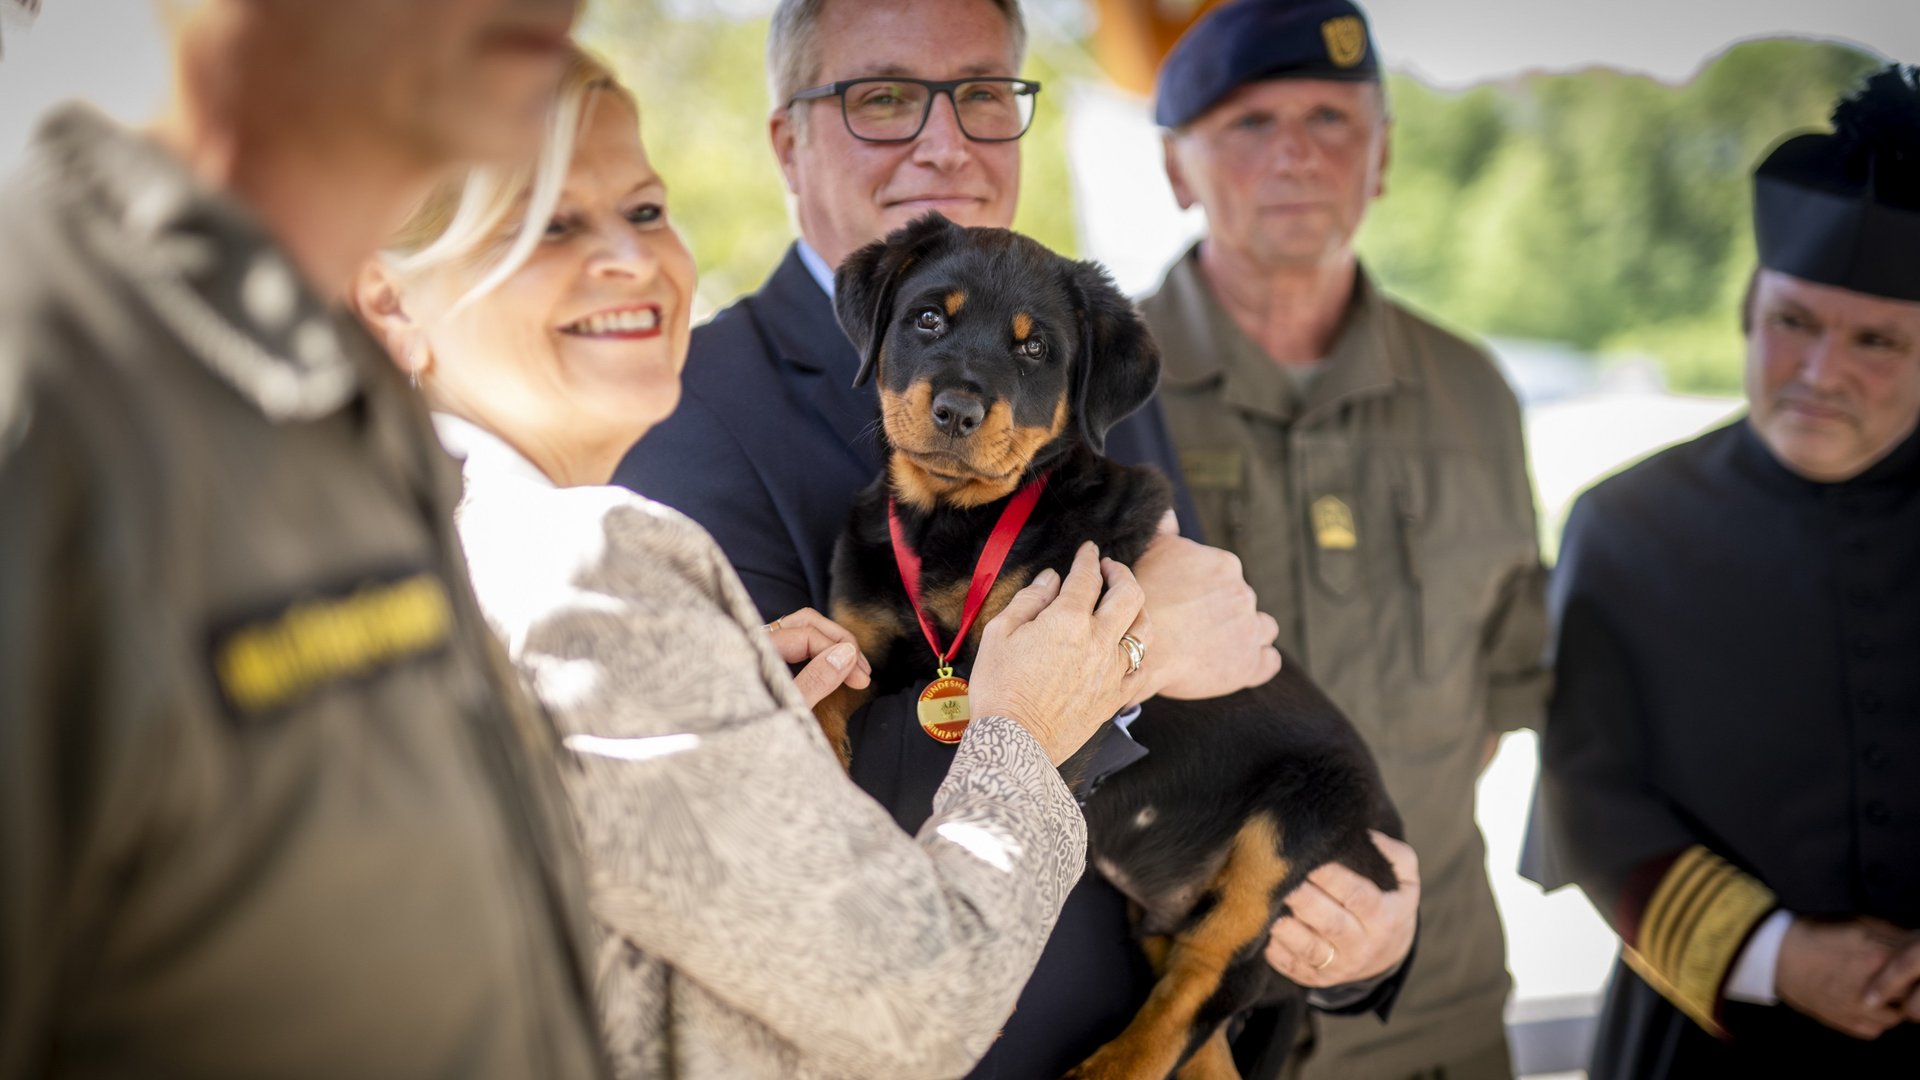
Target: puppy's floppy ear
[[1118, 365], [864, 287]]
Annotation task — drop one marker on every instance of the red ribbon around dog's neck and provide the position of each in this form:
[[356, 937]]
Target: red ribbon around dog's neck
[[1013, 517]]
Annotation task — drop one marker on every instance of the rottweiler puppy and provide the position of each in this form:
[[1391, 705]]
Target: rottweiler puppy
[[998, 362]]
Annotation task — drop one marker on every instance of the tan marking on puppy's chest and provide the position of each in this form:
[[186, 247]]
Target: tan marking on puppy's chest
[[948, 602], [874, 627]]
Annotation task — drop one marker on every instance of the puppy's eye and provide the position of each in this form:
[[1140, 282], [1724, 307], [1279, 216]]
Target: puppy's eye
[[931, 320], [1032, 349]]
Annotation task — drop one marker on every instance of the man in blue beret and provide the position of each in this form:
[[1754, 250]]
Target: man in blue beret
[[1728, 768], [1369, 470]]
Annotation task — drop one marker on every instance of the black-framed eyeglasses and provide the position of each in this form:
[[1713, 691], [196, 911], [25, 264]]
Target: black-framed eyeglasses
[[895, 110]]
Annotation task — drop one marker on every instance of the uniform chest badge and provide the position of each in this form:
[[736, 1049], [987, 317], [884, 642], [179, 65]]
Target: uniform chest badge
[[1333, 525]]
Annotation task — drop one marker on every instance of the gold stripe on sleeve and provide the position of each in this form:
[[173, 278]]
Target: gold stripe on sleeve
[[1699, 917]]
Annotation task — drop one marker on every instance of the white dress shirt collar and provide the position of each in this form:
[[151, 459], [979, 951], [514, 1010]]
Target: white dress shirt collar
[[483, 452], [817, 266]]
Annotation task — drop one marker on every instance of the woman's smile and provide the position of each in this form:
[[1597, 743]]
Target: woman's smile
[[629, 323]]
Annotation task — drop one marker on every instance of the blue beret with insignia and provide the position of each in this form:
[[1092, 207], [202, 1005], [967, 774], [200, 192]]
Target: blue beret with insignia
[[1843, 208], [1251, 40]]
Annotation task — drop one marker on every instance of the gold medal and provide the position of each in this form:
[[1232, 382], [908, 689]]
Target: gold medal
[[944, 711]]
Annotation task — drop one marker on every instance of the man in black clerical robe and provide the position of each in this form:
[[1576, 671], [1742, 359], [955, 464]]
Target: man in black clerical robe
[[1731, 769]]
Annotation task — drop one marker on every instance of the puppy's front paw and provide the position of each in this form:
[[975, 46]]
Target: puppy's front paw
[[833, 713]]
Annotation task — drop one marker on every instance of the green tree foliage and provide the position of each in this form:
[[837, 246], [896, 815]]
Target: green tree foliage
[[703, 116], [1604, 210]]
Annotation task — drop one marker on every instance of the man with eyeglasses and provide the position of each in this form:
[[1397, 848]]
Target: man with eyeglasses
[[1368, 467], [881, 114], [895, 109]]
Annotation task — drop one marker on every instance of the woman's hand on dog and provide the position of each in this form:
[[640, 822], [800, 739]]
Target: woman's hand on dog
[[1343, 929], [1052, 661], [827, 648], [1214, 639]]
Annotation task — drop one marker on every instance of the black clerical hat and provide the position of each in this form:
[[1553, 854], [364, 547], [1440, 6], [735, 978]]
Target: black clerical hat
[[1843, 208], [1249, 40]]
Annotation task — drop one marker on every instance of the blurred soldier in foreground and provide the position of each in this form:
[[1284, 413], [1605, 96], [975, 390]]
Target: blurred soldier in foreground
[[1728, 771], [269, 804]]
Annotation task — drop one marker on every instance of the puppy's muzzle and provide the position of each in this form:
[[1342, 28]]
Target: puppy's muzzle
[[957, 413]]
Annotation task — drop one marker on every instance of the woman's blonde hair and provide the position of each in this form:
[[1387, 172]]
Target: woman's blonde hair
[[467, 220]]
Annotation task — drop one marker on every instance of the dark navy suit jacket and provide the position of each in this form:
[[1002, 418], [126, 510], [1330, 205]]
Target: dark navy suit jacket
[[767, 450]]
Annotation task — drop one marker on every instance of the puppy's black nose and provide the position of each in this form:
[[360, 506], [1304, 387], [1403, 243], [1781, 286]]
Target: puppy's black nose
[[957, 413]]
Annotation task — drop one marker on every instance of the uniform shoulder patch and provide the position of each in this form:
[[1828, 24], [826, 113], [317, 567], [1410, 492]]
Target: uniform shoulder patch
[[270, 660]]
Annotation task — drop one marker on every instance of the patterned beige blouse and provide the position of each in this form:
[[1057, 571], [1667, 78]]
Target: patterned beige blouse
[[762, 916]]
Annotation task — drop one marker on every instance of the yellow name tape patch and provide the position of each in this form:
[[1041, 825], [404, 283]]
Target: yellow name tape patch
[[271, 662]]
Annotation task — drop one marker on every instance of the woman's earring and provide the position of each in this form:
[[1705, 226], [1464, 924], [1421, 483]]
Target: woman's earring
[[413, 367]]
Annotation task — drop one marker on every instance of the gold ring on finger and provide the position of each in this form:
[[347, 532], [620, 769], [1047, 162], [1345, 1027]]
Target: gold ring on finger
[[1136, 652]]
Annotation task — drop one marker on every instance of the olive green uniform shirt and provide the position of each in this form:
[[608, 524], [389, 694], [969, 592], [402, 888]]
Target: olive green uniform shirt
[[270, 804], [1383, 513]]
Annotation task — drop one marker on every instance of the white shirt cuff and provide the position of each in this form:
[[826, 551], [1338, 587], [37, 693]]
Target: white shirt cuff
[[1125, 720], [1752, 978]]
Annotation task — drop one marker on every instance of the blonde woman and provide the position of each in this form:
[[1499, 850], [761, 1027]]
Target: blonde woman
[[762, 916]]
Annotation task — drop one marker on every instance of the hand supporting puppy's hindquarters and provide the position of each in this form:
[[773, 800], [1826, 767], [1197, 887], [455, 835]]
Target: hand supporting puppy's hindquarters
[[1214, 638], [1344, 929], [1052, 660]]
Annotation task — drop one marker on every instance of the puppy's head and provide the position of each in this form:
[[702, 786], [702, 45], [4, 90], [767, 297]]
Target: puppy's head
[[990, 350]]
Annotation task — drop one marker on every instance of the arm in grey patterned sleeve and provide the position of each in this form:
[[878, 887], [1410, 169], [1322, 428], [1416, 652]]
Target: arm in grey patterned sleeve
[[728, 842]]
